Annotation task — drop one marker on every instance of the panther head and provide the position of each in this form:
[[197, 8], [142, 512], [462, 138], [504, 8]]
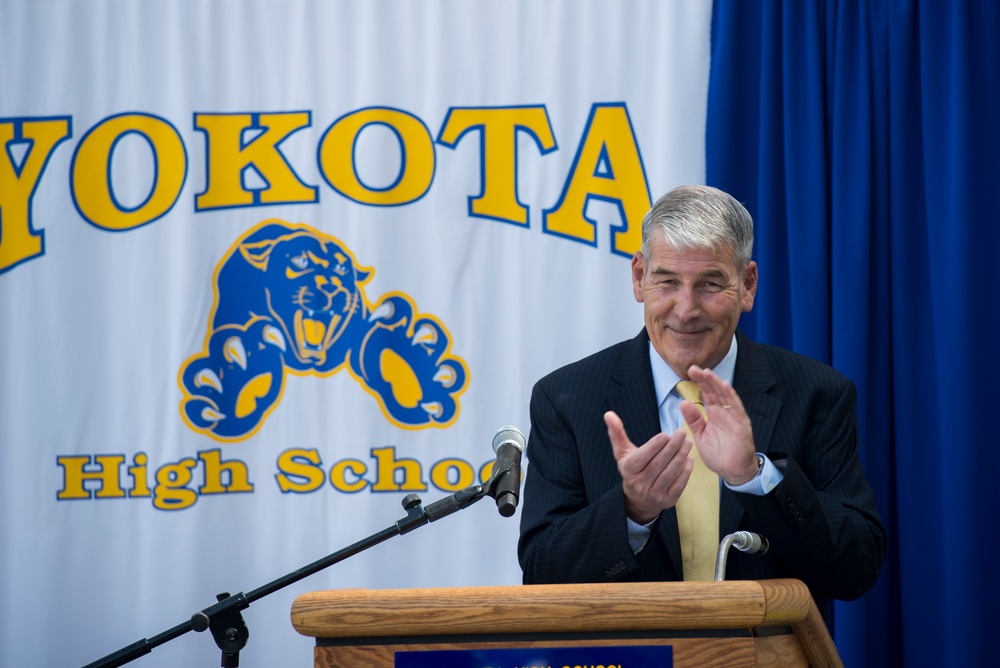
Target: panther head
[[312, 288]]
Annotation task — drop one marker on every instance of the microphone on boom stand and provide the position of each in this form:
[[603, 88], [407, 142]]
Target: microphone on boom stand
[[508, 444]]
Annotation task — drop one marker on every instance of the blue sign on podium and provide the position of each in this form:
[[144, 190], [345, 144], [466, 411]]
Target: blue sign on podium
[[652, 656]]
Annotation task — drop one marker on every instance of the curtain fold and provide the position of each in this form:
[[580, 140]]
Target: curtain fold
[[862, 138]]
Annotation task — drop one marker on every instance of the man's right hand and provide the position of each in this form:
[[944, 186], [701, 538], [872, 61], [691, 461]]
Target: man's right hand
[[654, 474]]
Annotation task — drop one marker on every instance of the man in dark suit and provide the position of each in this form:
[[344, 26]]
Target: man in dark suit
[[610, 460]]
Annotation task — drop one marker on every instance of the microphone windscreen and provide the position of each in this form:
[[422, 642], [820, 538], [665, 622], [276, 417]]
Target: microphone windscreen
[[508, 434]]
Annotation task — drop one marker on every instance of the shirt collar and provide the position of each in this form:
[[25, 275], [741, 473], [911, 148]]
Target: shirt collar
[[665, 378]]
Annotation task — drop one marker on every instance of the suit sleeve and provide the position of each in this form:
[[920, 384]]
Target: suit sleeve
[[570, 531], [821, 519]]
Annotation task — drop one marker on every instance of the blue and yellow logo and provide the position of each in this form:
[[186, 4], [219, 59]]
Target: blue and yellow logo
[[288, 298]]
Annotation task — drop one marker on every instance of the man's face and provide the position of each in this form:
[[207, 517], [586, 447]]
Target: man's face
[[691, 302]]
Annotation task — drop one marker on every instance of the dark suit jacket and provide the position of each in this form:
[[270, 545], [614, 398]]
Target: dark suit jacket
[[821, 520]]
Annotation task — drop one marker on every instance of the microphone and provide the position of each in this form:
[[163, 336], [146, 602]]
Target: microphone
[[744, 541], [508, 444]]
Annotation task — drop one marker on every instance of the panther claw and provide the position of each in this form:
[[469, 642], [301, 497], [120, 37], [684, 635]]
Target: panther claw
[[446, 376], [208, 378], [209, 414], [433, 408], [426, 334], [234, 352], [383, 311], [274, 336]]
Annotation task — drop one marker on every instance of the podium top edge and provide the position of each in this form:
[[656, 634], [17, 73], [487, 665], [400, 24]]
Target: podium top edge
[[560, 608]]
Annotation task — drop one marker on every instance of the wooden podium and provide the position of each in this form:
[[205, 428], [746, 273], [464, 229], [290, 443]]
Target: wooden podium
[[734, 623]]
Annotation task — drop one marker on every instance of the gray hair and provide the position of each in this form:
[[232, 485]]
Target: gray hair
[[701, 218]]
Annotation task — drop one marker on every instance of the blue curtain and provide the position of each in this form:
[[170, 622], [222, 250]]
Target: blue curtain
[[863, 138]]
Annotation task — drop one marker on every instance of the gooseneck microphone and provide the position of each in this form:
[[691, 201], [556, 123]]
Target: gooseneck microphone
[[508, 444], [744, 541], [750, 542]]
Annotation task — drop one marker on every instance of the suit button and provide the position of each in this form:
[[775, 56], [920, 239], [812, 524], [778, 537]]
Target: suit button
[[615, 570]]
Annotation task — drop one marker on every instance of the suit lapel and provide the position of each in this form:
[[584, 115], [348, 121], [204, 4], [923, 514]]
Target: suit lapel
[[632, 394]]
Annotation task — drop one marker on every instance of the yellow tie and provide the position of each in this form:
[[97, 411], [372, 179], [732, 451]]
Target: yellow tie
[[698, 507]]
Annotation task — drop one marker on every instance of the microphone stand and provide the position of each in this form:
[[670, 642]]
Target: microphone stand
[[224, 619], [722, 556]]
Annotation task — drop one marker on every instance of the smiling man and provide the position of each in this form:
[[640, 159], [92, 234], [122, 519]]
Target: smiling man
[[643, 456]]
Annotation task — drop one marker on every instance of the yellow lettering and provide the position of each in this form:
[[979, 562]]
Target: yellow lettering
[[171, 491], [607, 167], [140, 486], [486, 472], [76, 473], [19, 241], [338, 475], [238, 475], [338, 160], [498, 128], [93, 191], [238, 142], [299, 471], [389, 466], [464, 474]]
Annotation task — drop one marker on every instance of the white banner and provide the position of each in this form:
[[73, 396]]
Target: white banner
[[267, 267]]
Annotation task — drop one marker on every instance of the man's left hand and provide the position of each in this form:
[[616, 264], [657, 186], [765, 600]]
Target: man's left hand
[[725, 440]]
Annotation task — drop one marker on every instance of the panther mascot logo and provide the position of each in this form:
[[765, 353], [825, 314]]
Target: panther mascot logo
[[289, 299]]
